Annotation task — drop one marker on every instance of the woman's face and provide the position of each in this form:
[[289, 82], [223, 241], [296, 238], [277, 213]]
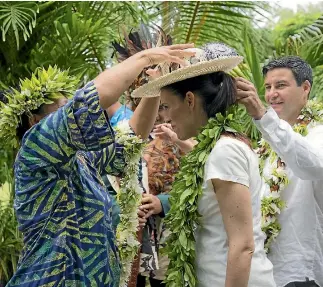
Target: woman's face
[[186, 115]]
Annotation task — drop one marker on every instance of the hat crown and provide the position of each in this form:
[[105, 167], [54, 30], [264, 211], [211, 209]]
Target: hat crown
[[211, 51], [210, 58]]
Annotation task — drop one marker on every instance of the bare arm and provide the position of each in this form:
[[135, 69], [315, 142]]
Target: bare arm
[[144, 116], [187, 145], [165, 131], [235, 206]]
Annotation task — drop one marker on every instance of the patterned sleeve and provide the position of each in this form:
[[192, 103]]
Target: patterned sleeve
[[81, 125]]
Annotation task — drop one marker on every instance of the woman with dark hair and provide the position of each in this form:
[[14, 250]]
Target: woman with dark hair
[[215, 215], [62, 206]]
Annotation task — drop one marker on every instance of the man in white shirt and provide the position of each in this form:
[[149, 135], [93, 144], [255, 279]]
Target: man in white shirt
[[297, 252]]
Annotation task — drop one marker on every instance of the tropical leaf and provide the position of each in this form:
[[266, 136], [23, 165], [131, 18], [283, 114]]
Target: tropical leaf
[[252, 59], [82, 38], [18, 18], [201, 22], [10, 238], [317, 88], [307, 43]]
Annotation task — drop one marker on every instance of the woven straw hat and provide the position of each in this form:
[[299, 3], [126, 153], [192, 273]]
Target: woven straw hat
[[212, 57]]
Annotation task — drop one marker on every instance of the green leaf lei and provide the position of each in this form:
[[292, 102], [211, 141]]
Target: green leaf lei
[[272, 204], [44, 87], [183, 217]]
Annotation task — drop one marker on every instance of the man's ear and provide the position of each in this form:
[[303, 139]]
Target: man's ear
[[307, 88], [190, 100]]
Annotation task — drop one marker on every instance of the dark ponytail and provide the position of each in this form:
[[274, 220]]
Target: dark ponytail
[[225, 95], [218, 91]]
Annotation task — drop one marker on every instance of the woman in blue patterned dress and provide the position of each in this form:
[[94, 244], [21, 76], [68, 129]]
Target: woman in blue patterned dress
[[62, 207]]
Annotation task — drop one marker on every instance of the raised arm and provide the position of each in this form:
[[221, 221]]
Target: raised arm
[[112, 83], [303, 155]]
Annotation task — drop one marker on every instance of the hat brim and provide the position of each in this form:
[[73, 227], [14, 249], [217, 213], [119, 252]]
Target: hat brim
[[152, 89]]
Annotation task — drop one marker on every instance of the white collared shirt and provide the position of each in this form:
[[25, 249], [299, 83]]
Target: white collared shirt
[[298, 250]]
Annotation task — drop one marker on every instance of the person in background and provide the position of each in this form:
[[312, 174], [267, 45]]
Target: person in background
[[118, 112]]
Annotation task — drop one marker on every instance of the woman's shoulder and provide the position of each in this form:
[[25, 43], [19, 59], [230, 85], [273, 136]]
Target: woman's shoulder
[[230, 144]]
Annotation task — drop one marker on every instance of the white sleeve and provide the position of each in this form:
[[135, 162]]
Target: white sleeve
[[229, 161], [303, 155]]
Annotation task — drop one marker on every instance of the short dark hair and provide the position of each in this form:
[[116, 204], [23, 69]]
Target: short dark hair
[[301, 70], [217, 90]]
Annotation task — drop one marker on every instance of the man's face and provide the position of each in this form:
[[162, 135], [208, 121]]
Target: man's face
[[284, 95]]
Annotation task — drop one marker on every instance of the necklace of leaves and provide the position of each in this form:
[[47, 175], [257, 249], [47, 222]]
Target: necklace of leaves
[[183, 217], [129, 198], [272, 204]]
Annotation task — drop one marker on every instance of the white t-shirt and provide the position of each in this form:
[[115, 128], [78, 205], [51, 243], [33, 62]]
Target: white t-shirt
[[297, 252], [230, 160]]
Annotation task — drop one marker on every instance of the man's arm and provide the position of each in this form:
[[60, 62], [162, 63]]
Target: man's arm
[[303, 155]]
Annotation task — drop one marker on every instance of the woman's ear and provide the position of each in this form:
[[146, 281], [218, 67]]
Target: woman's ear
[[190, 100], [34, 119]]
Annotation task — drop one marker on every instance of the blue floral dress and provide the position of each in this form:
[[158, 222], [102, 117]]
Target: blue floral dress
[[62, 206]]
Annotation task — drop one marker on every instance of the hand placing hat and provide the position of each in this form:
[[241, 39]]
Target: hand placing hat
[[247, 95]]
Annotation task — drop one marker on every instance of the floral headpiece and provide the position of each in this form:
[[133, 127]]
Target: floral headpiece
[[44, 87]]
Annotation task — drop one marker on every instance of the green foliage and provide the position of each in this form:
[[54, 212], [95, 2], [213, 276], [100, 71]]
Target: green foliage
[[294, 24], [200, 22], [72, 34], [77, 35], [11, 241], [6, 163], [44, 87], [250, 70], [18, 17]]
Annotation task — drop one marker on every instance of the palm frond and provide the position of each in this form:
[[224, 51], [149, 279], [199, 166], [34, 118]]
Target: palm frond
[[18, 18], [201, 22]]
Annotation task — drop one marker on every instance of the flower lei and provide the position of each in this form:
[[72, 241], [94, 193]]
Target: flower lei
[[272, 204], [129, 198], [183, 217]]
